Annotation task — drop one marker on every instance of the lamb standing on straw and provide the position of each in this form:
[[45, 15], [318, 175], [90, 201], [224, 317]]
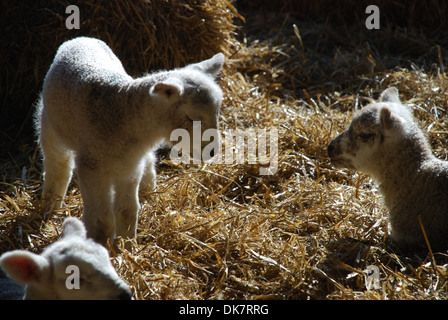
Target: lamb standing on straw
[[385, 141], [93, 116], [45, 276]]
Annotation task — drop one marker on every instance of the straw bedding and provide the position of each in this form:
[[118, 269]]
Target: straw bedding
[[220, 231]]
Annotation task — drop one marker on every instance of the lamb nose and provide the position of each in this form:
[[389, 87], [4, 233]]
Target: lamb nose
[[212, 153]]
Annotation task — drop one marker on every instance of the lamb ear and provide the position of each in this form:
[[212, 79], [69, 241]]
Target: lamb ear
[[169, 89], [389, 121], [23, 266], [211, 66], [390, 95], [73, 227]]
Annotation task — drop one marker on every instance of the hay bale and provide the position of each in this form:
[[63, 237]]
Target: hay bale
[[145, 35]]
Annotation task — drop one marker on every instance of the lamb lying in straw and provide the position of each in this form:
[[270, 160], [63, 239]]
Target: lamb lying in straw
[[385, 141]]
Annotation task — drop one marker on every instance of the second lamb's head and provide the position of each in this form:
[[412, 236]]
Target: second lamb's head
[[72, 268], [376, 133], [192, 100]]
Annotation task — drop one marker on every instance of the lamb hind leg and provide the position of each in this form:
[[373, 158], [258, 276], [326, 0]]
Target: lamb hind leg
[[58, 167], [57, 176], [148, 183]]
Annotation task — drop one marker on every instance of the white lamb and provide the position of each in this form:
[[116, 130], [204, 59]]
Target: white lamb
[[93, 116], [385, 141], [51, 275]]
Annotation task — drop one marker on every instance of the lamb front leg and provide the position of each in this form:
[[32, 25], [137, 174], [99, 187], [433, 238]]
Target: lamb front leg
[[97, 193], [126, 206]]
